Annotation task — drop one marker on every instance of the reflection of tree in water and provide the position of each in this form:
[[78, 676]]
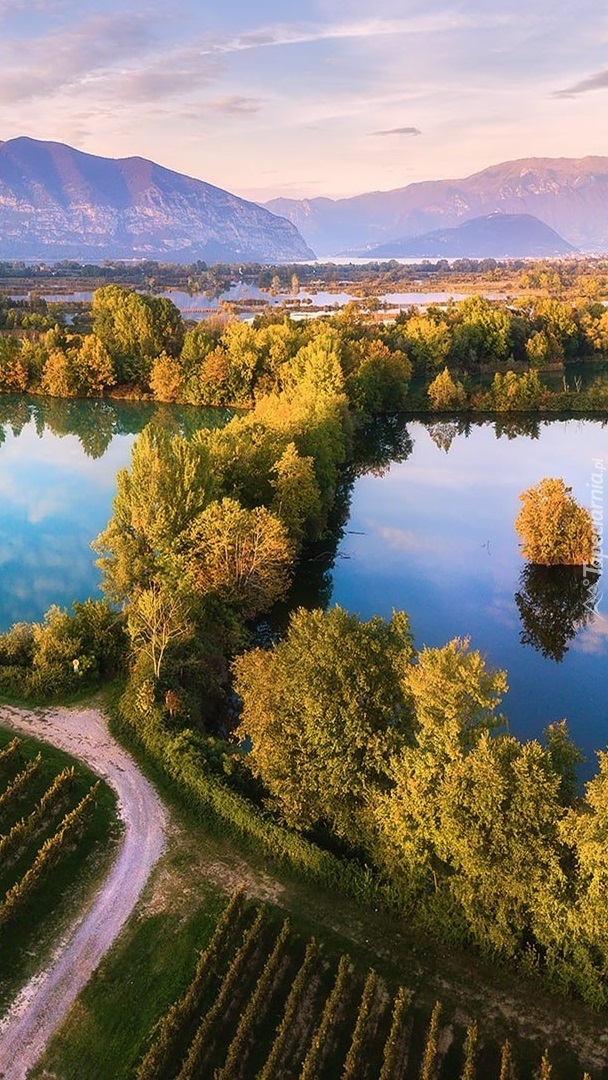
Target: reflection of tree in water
[[376, 446], [554, 604], [380, 443], [96, 421], [514, 426], [312, 583], [444, 432]]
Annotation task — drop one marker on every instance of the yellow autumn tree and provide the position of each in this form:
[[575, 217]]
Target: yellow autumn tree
[[446, 393], [554, 530]]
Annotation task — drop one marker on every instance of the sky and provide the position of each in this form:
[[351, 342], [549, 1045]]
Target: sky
[[328, 97]]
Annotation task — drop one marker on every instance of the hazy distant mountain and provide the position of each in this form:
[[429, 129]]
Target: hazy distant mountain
[[58, 203], [494, 236], [570, 195]]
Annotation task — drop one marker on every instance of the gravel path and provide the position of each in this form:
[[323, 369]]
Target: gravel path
[[44, 1001]]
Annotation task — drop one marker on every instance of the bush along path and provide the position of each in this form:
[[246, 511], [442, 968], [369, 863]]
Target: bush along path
[[43, 1003]]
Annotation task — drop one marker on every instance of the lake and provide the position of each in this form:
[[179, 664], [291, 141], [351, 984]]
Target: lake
[[198, 306], [432, 533]]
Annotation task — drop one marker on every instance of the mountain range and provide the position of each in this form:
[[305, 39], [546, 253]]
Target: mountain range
[[60, 203], [568, 194], [493, 236]]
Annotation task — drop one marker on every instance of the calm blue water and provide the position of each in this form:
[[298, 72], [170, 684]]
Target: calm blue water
[[433, 536], [58, 463]]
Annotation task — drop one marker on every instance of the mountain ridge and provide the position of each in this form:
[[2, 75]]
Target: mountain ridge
[[570, 195], [492, 236], [59, 202]]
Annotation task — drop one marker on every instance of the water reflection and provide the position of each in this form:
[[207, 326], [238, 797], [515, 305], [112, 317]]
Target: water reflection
[[433, 534], [58, 464], [554, 603], [96, 423], [380, 443]]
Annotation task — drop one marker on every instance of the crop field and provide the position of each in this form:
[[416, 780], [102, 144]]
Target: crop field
[[263, 1004], [56, 824]]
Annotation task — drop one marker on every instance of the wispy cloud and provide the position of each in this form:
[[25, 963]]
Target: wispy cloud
[[398, 131], [299, 34], [61, 58], [598, 81], [158, 76], [233, 104]]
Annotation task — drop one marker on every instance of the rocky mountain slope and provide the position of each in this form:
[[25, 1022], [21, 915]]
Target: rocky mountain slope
[[57, 203], [493, 236], [568, 194]]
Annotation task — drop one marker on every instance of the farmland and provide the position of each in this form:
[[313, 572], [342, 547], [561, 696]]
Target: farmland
[[57, 824]]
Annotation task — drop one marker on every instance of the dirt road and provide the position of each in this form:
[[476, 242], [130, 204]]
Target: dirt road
[[45, 1000]]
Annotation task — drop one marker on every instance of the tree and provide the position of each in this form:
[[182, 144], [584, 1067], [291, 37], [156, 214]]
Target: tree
[[427, 342], [554, 530], [92, 368], [166, 379], [157, 617], [512, 391], [454, 697], [57, 377], [481, 333], [381, 381], [243, 556], [297, 501], [14, 366], [323, 712], [169, 483], [135, 329], [445, 393]]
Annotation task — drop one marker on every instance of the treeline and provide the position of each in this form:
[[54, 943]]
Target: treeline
[[32, 314], [516, 392], [63, 653], [404, 758], [140, 346]]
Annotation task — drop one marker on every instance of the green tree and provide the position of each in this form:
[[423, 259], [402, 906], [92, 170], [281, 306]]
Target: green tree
[[323, 711], [91, 368], [427, 343], [169, 483], [243, 556], [135, 329], [297, 501], [554, 530], [516, 392], [381, 381], [481, 333], [454, 697], [445, 393]]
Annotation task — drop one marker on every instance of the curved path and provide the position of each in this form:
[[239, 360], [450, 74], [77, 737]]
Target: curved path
[[44, 1001]]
